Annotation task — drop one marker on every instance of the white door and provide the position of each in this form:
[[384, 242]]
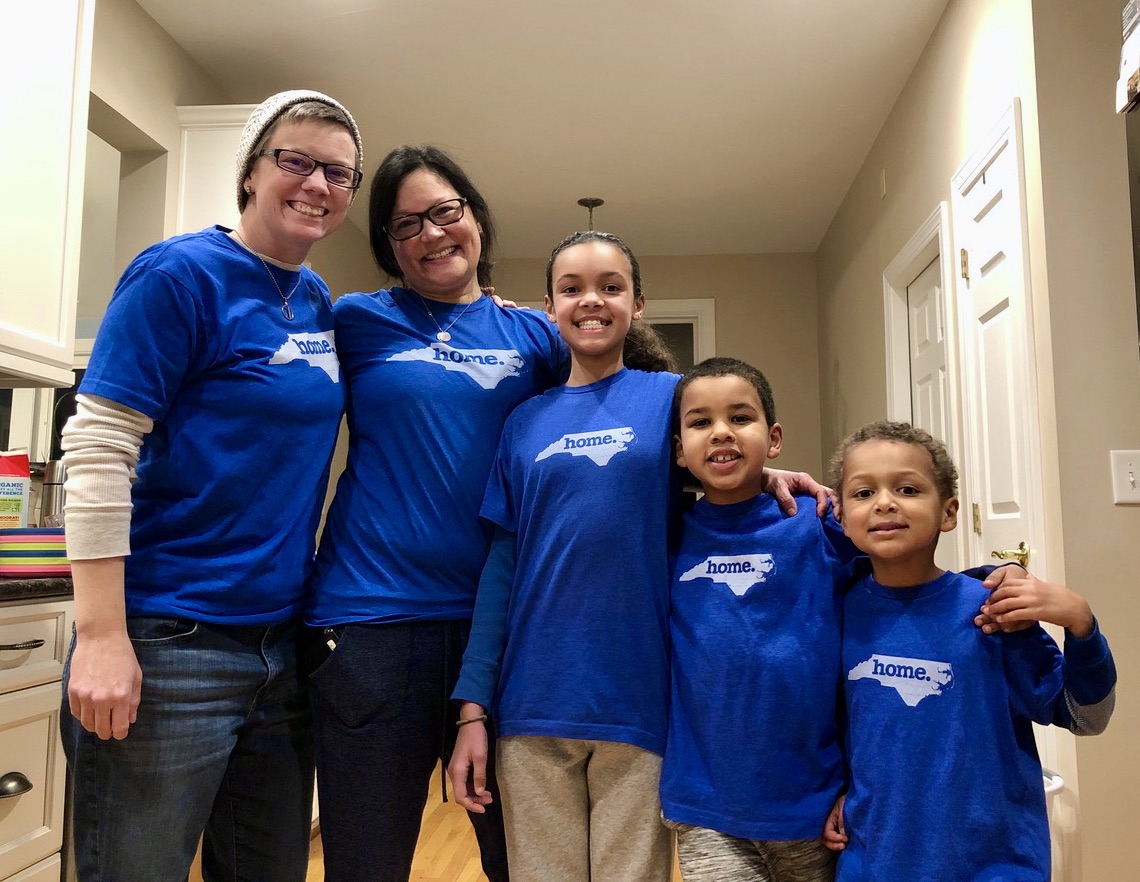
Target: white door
[[988, 208], [929, 373], [1002, 500], [927, 337], [922, 386]]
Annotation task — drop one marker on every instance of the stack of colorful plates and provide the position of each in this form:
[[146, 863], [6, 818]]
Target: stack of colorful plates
[[33, 552]]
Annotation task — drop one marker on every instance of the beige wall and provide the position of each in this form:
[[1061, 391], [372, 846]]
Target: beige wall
[[765, 314], [143, 75], [97, 270], [345, 263], [1061, 60], [970, 71], [1096, 382]]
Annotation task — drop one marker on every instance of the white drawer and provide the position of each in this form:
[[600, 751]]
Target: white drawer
[[48, 870], [31, 824], [44, 632]]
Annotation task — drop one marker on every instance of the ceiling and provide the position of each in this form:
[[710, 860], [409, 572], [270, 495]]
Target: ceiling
[[714, 127]]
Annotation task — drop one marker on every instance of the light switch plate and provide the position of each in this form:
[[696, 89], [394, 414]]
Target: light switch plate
[[1125, 476]]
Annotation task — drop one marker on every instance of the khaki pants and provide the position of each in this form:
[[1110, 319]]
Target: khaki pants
[[582, 811]]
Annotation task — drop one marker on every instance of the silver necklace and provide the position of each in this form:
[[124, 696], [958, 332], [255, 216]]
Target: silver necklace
[[286, 309], [442, 334]]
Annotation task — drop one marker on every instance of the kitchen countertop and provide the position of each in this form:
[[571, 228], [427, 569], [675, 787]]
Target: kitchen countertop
[[35, 589]]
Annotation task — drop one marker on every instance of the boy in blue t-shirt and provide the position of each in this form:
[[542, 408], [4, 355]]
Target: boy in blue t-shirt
[[945, 779], [752, 762]]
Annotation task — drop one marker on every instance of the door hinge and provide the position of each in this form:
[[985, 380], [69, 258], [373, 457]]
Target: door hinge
[[977, 519], [965, 260]]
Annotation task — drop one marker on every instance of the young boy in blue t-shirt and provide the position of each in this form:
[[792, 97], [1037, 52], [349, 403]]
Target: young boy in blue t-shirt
[[945, 779], [752, 762]]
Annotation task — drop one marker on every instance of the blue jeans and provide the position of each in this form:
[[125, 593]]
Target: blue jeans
[[222, 746], [383, 717]]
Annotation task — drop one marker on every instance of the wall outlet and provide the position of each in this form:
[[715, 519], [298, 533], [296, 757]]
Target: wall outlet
[[1125, 476]]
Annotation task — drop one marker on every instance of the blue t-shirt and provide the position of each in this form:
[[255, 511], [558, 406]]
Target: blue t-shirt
[[582, 480], [246, 407], [945, 779], [403, 540], [753, 747]]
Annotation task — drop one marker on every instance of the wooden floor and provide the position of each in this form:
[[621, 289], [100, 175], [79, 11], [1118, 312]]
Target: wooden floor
[[447, 851]]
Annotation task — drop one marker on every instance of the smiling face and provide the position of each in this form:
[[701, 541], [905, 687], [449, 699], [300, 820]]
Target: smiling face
[[892, 510], [287, 213], [441, 262], [592, 301], [725, 438]]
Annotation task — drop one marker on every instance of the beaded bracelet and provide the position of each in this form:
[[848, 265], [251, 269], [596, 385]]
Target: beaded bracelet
[[463, 721]]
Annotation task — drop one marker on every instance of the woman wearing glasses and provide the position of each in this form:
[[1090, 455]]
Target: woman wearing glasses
[[433, 367], [214, 388]]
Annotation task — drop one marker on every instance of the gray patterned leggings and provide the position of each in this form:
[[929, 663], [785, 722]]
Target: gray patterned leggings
[[709, 856]]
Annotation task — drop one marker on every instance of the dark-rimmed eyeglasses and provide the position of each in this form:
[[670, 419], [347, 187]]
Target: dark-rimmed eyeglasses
[[442, 214], [297, 163]]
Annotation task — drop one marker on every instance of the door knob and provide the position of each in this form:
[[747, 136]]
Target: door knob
[[1019, 554]]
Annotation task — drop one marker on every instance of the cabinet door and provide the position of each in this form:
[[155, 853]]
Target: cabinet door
[[31, 823], [34, 639], [48, 870], [46, 71]]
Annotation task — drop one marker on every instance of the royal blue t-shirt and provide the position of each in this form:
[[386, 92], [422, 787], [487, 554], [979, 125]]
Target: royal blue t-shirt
[[246, 406], [582, 479], [403, 540], [756, 625], [945, 779]]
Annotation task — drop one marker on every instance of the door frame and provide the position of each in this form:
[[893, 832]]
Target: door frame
[[931, 240]]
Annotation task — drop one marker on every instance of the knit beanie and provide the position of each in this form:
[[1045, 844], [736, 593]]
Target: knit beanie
[[263, 118]]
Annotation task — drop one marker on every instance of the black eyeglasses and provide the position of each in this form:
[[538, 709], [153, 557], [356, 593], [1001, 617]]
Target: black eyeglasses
[[442, 214], [297, 163]]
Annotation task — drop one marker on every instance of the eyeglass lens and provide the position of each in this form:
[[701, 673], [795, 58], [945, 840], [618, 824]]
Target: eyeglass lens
[[406, 226], [302, 164]]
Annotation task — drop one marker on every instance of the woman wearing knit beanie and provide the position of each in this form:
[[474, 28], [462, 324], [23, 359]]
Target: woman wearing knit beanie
[[197, 464]]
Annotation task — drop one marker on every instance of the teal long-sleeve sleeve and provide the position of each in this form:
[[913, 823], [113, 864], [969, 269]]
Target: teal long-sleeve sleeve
[[483, 658]]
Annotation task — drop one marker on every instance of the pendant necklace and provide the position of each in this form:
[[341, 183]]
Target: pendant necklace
[[286, 309], [442, 334]]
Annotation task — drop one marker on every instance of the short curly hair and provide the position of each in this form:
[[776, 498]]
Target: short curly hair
[[942, 466]]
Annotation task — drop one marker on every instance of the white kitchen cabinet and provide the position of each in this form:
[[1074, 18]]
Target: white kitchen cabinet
[[47, 870], [34, 638], [207, 177], [46, 71]]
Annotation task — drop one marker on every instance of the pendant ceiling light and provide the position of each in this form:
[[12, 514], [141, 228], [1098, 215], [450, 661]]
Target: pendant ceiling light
[[590, 203]]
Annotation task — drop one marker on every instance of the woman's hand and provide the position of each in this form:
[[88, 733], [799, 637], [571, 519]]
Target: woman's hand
[[105, 684], [468, 767]]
